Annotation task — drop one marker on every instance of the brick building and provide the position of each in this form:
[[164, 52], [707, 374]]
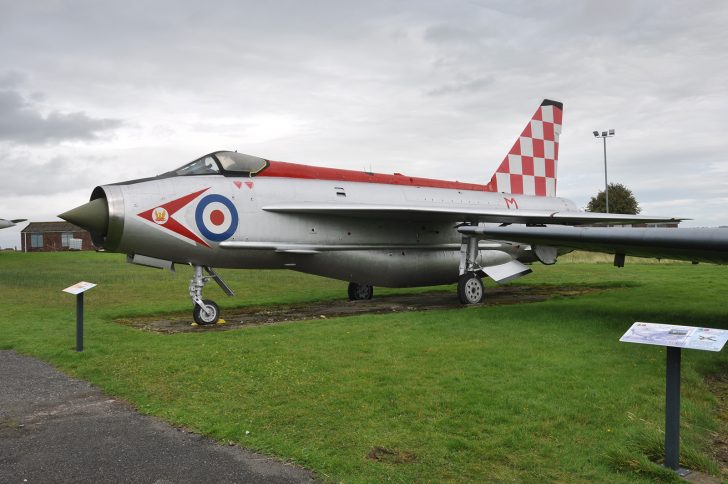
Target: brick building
[[54, 237]]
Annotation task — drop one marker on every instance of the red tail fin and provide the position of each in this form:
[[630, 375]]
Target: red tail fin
[[530, 167]]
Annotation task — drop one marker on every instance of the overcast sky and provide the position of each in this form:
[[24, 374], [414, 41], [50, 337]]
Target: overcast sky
[[94, 92]]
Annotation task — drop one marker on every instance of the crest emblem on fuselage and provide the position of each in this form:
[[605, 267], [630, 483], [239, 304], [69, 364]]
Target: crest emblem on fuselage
[[160, 216], [214, 217]]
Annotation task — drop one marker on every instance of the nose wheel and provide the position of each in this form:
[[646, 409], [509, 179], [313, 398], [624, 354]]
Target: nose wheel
[[208, 313], [205, 311]]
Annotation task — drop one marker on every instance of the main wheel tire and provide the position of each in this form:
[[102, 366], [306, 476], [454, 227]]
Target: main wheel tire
[[358, 292], [470, 289], [211, 316]]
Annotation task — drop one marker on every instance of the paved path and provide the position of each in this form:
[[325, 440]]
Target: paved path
[[54, 428]]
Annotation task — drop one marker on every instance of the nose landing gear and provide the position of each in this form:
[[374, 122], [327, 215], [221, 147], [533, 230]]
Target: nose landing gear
[[208, 313], [205, 311]]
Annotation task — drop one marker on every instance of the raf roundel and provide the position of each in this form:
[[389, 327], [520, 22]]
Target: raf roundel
[[216, 218]]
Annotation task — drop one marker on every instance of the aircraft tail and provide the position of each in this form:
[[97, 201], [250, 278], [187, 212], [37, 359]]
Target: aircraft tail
[[529, 168]]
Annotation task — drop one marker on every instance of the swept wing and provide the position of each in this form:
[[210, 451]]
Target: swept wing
[[691, 244], [461, 214]]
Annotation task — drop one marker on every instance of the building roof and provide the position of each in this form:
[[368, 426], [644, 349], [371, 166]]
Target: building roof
[[51, 227]]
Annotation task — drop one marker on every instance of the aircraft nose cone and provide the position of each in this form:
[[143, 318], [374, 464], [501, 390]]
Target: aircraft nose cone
[[92, 216]]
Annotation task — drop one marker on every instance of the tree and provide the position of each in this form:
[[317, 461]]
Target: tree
[[621, 200]]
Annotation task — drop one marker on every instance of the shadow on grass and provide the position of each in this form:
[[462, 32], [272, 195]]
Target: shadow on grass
[[426, 301]]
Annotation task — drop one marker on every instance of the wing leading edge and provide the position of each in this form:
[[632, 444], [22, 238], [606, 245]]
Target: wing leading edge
[[462, 214], [289, 248], [691, 244]]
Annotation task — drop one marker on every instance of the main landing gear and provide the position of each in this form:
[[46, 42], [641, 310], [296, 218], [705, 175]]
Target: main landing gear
[[205, 311], [470, 288], [470, 285], [359, 292]]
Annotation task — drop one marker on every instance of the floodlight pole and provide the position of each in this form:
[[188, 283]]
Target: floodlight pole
[[606, 185], [604, 135]]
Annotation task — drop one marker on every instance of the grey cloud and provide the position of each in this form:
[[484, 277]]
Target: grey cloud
[[442, 34], [468, 87], [59, 174], [23, 123], [12, 79]]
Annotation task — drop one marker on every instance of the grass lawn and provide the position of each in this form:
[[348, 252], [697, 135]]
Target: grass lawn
[[526, 392]]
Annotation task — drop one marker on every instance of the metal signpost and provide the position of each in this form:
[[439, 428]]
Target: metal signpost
[[675, 338], [78, 289]]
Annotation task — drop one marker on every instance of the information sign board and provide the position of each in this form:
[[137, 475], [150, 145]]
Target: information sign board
[[690, 337], [79, 287]]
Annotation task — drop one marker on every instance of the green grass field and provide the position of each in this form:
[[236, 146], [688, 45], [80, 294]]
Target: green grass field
[[525, 392]]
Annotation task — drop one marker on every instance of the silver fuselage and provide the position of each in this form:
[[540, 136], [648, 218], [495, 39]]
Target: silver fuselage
[[417, 252]]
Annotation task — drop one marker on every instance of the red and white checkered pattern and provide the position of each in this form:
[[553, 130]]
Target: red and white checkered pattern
[[530, 166]]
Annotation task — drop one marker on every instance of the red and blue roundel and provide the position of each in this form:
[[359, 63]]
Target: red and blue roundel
[[216, 218]]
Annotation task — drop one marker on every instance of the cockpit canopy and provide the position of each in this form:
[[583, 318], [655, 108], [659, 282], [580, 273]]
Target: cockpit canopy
[[228, 163]]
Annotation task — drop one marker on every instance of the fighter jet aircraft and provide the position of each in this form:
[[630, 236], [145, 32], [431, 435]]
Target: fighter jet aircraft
[[231, 210], [4, 224]]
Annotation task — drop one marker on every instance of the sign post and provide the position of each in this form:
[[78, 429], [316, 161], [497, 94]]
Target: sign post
[[78, 289], [672, 408], [675, 338]]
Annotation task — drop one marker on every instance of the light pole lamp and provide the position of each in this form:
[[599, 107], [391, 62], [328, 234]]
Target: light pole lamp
[[604, 135]]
